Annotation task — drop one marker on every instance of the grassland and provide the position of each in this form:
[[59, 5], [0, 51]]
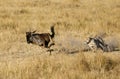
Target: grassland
[[75, 21]]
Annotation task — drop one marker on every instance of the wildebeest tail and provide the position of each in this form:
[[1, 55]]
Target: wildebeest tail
[[53, 32]]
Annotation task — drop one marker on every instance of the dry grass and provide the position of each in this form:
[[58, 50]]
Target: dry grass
[[75, 21]]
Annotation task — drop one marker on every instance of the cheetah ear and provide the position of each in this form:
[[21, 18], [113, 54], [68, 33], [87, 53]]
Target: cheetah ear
[[34, 31]]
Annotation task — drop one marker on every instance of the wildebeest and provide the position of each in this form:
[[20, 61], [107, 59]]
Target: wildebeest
[[42, 39], [97, 43]]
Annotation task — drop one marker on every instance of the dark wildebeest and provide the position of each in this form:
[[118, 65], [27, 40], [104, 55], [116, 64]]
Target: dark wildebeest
[[42, 39], [96, 43]]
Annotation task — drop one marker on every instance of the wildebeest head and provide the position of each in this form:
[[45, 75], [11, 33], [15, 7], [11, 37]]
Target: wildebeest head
[[29, 36]]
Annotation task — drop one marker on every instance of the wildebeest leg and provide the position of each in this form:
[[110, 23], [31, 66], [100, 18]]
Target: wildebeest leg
[[46, 46], [49, 50], [50, 46], [51, 42]]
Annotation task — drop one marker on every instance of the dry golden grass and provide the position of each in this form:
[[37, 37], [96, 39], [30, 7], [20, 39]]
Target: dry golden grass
[[75, 21]]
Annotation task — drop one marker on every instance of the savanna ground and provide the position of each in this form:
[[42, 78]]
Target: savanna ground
[[75, 21]]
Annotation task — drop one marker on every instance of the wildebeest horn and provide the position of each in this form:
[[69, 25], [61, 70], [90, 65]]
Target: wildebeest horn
[[34, 31]]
